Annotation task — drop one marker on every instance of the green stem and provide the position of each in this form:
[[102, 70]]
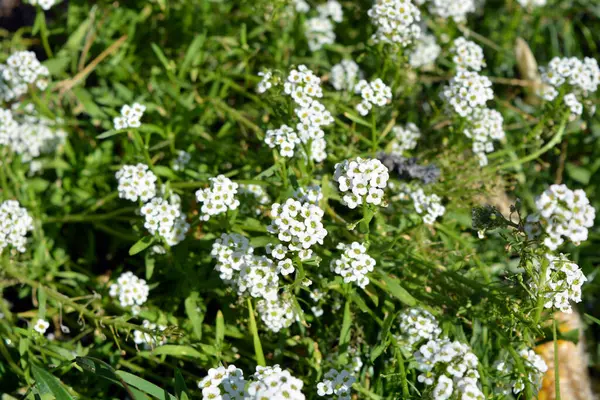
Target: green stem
[[404, 381], [76, 218], [374, 136], [556, 360], [548, 146], [541, 285], [258, 350], [44, 33]]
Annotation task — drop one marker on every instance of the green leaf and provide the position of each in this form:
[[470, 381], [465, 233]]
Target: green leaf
[[392, 286], [383, 342], [180, 386], [195, 316], [105, 371], [192, 52], [41, 303], [109, 133], [141, 245], [580, 174], [346, 322], [258, 350], [161, 56], [164, 171], [179, 351], [45, 382], [145, 386], [220, 329]]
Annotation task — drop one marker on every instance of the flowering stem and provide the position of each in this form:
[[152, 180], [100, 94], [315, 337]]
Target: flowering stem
[[556, 360], [540, 287]]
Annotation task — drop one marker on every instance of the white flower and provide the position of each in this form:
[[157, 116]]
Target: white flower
[[297, 224], [416, 326], [457, 10], [277, 314], [166, 219], [361, 181], [336, 384], [44, 4], [534, 365], [345, 75], [397, 21], [130, 290], [425, 51], [467, 92], [406, 138], [532, 3], [467, 54], [563, 283], [267, 81], [130, 116], [561, 213], [41, 326], [136, 182], [374, 93], [430, 206], [149, 340], [284, 138], [484, 126], [354, 264], [224, 383], [274, 383], [218, 198], [183, 159], [21, 69], [15, 223], [319, 32]]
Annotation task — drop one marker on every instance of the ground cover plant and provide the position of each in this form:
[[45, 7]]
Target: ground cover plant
[[389, 199]]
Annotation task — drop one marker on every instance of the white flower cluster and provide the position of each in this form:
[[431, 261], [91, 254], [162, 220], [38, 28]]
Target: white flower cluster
[[223, 383], [267, 81], [301, 6], [218, 198], [319, 30], [361, 181], [429, 205], [284, 138], [238, 266], [397, 21], [305, 87], [41, 326], [467, 54], [183, 159], [21, 69], [345, 75], [277, 314], [130, 116], [274, 383], [425, 51], [534, 366], [337, 385], [467, 92], [581, 77], [166, 219], [44, 4], [451, 368], [561, 212], [532, 3], [136, 182], [354, 264], [485, 126], [416, 326], [15, 222], [563, 279], [311, 194], [298, 225], [375, 93], [32, 137], [131, 291], [457, 10], [148, 340], [406, 138]]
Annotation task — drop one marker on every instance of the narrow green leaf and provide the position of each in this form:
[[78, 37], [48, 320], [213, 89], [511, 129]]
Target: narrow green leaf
[[220, 329], [192, 52], [194, 314], [392, 286], [41, 303], [48, 383], [141, 245], [347, 321], [161, 56], [145, 386], [180, 386], [258, 351], [383, 342], [179, 351], [109, 133]]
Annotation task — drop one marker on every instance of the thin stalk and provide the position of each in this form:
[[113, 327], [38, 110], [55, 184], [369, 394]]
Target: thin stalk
[[76, 218], [45, 34]]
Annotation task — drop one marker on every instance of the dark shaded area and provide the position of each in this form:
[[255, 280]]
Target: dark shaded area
[[409, 168]]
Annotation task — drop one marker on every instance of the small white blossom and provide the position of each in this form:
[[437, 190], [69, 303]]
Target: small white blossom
[[21, 69], [130, 290], [354, 264], [166, 219], [284, 138], [467, 92], [136, 182], [467, 54], [277, 314], [44, 4], [425, 51], [41, 326], [218, 198], [563, 279], [534, 366], [183, 159], [130, 116], [332, 10], [274, 383], [406, 138], [375, 93], [297, 224], [484, 126], [457, 10], [397, 21], [345, 75], [319, 32], [149, 340], [15, 223], [336, 385], [361, 181], [417, 326], [430, 206], [223, 383]]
